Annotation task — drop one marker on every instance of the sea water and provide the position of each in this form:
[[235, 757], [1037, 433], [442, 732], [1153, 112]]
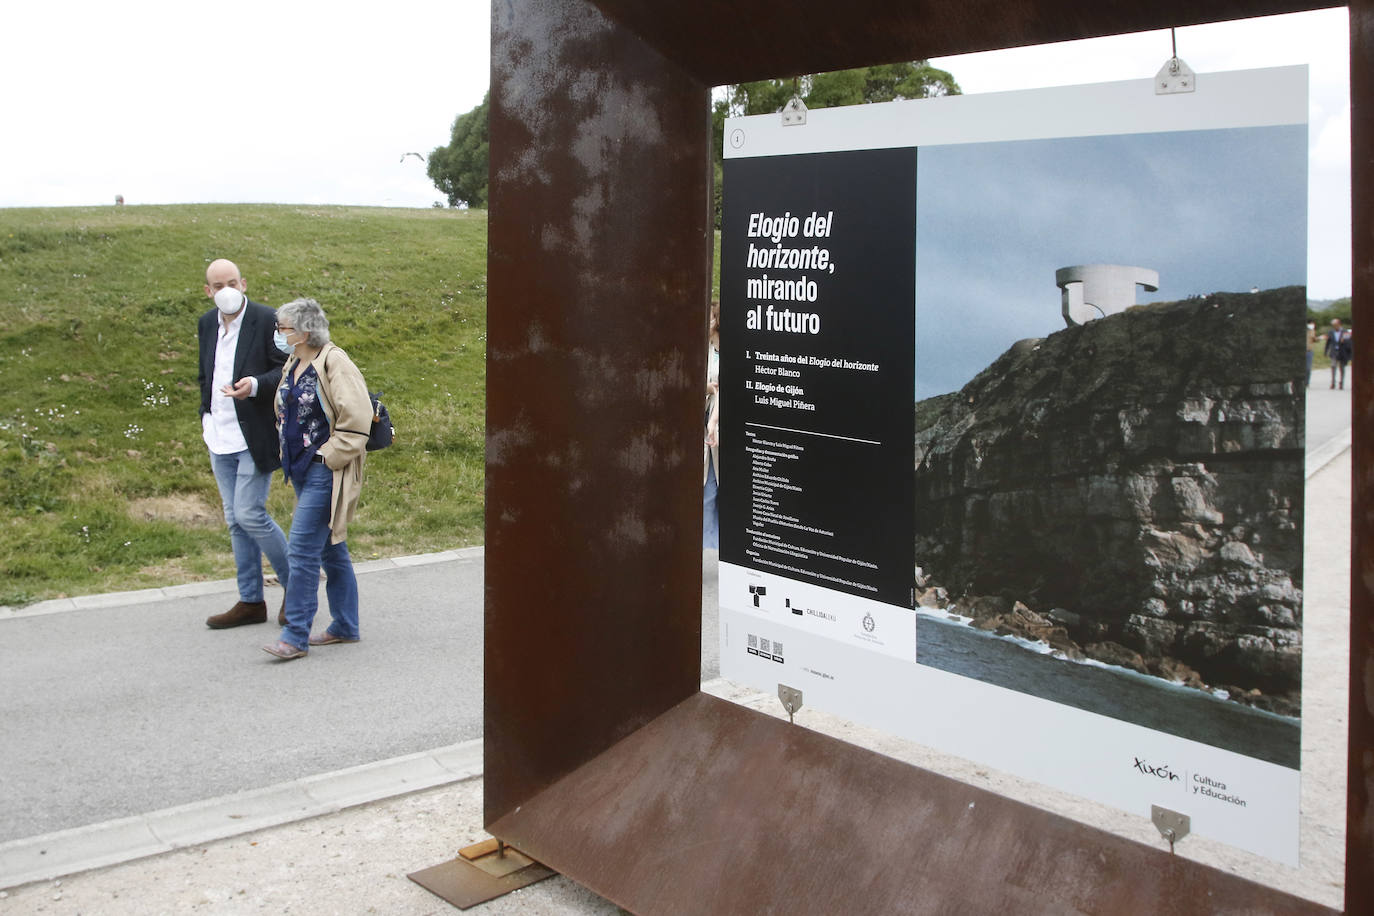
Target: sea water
[[948, 643]]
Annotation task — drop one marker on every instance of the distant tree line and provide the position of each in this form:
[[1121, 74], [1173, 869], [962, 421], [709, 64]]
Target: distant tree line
[[1339, 308], [915, 79], [459, 169]]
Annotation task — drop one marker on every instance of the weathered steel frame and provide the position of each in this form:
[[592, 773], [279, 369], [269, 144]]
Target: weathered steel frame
[[599, 271]]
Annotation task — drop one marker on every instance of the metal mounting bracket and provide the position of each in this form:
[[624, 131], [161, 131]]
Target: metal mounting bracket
[[791, 700], [1175, 77], [1172, 825], [794, 113]]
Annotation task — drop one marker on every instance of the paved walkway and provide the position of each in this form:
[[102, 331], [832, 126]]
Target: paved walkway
[[170, 736], [143, 707]]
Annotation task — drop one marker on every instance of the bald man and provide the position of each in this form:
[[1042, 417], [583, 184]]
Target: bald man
[[1337, 349], [239, 370]]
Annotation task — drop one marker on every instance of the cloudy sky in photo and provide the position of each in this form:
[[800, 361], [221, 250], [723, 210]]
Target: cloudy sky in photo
[[1218, 210], [1319, 39]]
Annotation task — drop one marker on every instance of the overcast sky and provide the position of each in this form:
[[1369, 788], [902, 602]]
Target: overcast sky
[[313, 102], [284, 101]]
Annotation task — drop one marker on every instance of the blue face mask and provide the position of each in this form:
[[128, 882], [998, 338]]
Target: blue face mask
[[279, 339]]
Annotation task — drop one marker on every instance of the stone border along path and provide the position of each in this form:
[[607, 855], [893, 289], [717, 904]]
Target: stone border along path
[[198, 589], [67, 852]]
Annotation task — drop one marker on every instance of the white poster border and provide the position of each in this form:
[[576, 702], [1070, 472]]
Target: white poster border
[[1239, 800], [1233, 99]]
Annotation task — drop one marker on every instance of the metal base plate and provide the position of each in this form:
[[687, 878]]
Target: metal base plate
[[661, 821], [469, 880]]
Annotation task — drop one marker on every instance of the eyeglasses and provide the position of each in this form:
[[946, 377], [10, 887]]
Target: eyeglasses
[[282, 327]]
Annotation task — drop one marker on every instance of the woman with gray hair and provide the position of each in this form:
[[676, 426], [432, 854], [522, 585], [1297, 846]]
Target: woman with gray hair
[[323, 415]]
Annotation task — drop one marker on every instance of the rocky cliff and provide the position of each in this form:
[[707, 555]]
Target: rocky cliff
[[1137, 484]]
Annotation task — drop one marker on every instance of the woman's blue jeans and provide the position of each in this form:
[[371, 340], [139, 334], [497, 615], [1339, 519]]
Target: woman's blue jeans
[[710, 523], [308, 549]]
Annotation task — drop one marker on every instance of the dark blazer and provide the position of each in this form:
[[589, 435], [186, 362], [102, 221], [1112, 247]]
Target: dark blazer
[[259, 357], [1339, 346]]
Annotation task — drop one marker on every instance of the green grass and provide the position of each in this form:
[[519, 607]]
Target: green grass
[[104, 481]]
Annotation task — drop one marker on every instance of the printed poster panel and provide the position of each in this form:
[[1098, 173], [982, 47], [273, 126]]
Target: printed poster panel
[[821, 434], [1068, 541]]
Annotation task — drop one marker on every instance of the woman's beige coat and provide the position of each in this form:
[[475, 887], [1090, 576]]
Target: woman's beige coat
[[343, 394]]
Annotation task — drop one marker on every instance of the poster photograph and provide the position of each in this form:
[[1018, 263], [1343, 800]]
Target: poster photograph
[[1055, 524]]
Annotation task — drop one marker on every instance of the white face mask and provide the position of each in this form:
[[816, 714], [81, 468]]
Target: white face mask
[[279, 339], [229, 300]]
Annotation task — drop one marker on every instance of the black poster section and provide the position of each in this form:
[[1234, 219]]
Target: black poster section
[[818, 273]]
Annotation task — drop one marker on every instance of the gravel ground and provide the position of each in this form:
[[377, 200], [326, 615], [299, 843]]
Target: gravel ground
[[352, 862]]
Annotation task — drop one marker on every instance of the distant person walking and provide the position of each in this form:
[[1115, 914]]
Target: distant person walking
[[239, 371], [324, 415], [1311, 349], [1338, 348]]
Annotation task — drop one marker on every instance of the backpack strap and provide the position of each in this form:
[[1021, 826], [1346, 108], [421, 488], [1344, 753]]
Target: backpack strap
[[324, 395], [325, 404]]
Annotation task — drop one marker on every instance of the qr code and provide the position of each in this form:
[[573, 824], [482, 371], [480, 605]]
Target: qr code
[[763, 646], [753, 641], [777, 648]]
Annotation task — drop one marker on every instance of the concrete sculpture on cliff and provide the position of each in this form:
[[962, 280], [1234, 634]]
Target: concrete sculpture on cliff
[[1092, 291]]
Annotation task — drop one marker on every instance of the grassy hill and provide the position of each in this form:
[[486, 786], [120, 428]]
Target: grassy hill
[[104, 480]]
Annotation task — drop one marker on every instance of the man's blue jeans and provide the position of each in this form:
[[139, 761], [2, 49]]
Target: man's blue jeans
[[243, 490], [309, 549]]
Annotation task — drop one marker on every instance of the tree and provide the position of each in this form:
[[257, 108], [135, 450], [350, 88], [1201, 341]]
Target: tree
[[459, 170], [915, 79]]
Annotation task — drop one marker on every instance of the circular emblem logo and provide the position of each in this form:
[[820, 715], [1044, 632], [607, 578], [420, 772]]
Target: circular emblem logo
[[869, 623]]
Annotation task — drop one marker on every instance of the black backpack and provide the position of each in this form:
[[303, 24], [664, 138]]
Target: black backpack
[[381, 432]]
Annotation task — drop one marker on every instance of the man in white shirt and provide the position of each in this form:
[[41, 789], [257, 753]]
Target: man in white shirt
[[239, 370]]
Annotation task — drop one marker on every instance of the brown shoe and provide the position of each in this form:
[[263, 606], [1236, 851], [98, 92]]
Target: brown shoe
[[242, 613], [281, 615]]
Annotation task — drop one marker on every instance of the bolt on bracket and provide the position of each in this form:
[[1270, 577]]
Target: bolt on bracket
[[1172, 825], [1175, 77], [791, 699]]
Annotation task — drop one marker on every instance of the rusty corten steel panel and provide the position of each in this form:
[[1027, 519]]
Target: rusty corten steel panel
[[598, 280], [1359, 836], [598, 265], [725, 41], [714, 808]]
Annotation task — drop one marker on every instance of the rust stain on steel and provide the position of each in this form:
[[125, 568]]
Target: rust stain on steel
[[714, 808], [598, 277], [1359, 829], [723, 41]]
